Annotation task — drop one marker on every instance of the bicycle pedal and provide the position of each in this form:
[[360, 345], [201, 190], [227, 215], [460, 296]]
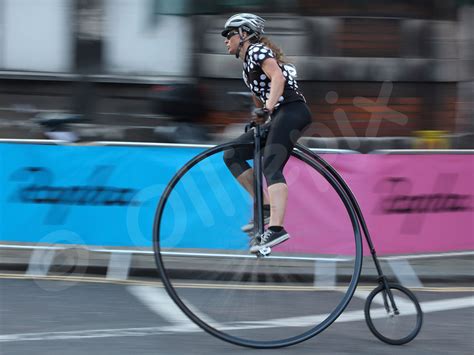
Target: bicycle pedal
[[264, 252]]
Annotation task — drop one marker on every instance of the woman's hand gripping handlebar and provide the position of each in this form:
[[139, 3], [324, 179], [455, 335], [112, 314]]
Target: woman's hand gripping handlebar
[[259, 116]]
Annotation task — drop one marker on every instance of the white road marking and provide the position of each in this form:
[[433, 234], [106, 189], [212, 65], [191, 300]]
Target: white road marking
[[160, 302], [81, 334], [157, 300], [362, 294], [405, 273], [428, 307], [325, 273], [40, 262], [119, 266], [378, 299], [445, 305]]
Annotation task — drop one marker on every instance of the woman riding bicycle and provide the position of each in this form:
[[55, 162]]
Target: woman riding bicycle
[[281, 107]]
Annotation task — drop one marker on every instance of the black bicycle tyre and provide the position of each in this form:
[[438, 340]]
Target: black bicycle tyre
[[373, 328], [307, 158]]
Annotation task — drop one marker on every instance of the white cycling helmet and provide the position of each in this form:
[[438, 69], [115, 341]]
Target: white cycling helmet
[[249, 23]]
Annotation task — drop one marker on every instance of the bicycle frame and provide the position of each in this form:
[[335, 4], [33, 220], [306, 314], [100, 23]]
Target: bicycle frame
[[257, 174], [258, 203], [382, 279], [356, 218]]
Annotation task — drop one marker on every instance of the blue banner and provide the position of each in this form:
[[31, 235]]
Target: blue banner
[[108, 195]]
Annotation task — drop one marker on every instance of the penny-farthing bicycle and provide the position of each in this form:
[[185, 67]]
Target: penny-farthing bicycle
[[286, 295]]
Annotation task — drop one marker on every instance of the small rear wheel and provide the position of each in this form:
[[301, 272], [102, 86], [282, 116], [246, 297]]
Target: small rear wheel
[[394, 321]]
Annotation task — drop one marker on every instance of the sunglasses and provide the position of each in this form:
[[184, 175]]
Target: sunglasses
[[231, 34]]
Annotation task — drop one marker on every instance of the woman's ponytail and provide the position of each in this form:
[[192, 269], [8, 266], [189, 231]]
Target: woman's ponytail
[[279, 55]]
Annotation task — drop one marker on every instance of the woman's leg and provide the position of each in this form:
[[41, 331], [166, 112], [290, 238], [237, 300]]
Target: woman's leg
[[236, 161], [246, 180], [278, 194], [286, 128]]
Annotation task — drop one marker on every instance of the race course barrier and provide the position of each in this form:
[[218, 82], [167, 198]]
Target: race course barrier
[[107, 196]]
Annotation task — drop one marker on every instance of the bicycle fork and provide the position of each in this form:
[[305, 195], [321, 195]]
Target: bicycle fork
[[258, 181], [382, 279]]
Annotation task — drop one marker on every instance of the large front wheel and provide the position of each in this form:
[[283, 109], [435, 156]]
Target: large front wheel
[[202, 253]]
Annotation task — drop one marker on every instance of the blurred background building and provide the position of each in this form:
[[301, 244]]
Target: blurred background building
[[397, 73]]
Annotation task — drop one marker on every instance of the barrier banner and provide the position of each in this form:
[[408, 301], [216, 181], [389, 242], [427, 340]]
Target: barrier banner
[[84, 194], [411, 203], [108, 196]]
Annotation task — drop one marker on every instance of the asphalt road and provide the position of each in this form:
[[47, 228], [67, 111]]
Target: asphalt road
[[87, 317]]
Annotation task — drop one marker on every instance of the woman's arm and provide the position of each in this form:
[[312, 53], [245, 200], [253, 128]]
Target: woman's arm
[[272, 70]]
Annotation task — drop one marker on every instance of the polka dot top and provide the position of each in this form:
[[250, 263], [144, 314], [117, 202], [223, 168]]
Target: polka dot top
[[257, 81]]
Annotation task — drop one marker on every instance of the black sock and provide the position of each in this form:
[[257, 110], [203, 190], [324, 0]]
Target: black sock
[[276, 228], [266, 207]]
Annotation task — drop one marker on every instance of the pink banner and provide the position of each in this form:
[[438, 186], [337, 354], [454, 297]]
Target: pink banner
[[411, 203]]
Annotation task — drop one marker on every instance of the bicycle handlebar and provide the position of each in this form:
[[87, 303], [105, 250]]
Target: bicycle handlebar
[[261, 112]]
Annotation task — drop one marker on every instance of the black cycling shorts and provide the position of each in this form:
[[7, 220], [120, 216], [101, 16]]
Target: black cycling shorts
[[285, 128]]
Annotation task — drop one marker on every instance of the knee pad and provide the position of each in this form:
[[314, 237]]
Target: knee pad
[[273, 176], [236, 164]]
